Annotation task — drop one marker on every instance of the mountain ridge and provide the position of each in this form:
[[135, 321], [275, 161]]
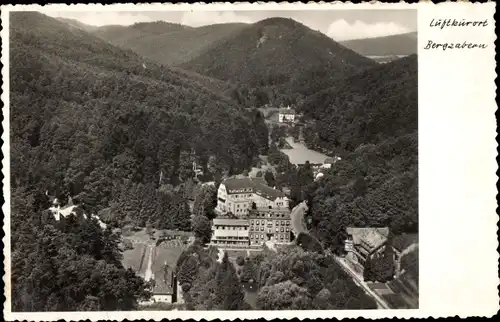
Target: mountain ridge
[[392, 45]]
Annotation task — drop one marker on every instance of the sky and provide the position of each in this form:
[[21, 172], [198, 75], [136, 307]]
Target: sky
[[338, 24]]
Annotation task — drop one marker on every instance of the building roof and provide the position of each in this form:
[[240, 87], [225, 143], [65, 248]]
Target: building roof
[[286, 111], [329, 161], [252, 185], [401, 242], [230, 222], [374, 237], [230, 233], [264, 209]]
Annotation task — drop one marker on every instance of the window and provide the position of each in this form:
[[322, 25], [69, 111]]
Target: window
[[262, 236], [251, 228], [262, 222], [288, 223], [237, 206], [287, 229], [261, 228], [258, 223], [282, 229], [282, 223], [277, 229], [251, 222]]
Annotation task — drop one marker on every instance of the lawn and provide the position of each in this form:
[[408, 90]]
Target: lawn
[[165, 255], [132, 258]]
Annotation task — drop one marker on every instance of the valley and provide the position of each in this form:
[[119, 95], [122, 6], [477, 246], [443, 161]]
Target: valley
[[180, 137]]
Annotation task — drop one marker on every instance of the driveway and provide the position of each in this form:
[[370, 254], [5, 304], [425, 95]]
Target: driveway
[[297, 218]]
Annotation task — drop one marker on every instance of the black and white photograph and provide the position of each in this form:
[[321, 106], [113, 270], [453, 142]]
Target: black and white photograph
[[220, 160], [212, 160]]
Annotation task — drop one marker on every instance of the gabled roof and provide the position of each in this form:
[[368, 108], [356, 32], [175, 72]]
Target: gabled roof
[[373, 237], [230, 222], [287, 111], [252, 185]]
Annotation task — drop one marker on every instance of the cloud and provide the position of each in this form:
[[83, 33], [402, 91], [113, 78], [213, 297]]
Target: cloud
[[202, 18], [102, 18], [342, 30]]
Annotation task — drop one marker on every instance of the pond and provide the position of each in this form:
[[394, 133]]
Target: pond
[[299, 153]]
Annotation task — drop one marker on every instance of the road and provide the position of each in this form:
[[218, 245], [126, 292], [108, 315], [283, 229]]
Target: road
[[148, 275], [299, 225], [297, 218], [381, 303]]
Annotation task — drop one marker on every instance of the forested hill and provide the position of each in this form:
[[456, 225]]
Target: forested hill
[[278, 56], [369, 107], [77, 24], [86, 116], [166, 43], [402, 44], [371, 119]]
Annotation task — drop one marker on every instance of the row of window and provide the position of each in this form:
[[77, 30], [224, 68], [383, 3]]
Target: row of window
[[277, 222], [269, 214], [261, 236], [243, 196], [229, 242], [240, 238], [231, 227], [282, 229]]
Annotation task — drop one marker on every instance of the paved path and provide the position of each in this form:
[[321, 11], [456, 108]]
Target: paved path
[[381, 303], [148, 275], [297, 218]]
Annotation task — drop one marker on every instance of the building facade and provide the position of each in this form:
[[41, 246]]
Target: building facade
[[286, 115], [229, 232], [237, 196], [364, 243], [269, 225]]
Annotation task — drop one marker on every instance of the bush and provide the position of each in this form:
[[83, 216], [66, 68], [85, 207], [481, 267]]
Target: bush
[[309, 243], [186, 287], [240, 261], [127, 244]]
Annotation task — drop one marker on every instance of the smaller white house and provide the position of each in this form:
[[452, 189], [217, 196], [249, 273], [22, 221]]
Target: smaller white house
[[69, 209], [286, 115]]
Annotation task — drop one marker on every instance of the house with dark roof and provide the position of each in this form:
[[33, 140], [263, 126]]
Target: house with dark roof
[[364, 243], [286, 115], [238, 195]]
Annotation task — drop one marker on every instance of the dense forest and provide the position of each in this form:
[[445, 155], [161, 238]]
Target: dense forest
[[167, 43], [86, 116], [291, 279], [401, 44], [111, 129], [369, 107], [70, 265], [371, 120]]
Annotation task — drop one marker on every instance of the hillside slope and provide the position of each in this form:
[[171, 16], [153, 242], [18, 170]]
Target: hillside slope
[[280, 56], [371, 120], [86, 115], [395, 45], [77, 24], [368, 107], [166, 43]]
